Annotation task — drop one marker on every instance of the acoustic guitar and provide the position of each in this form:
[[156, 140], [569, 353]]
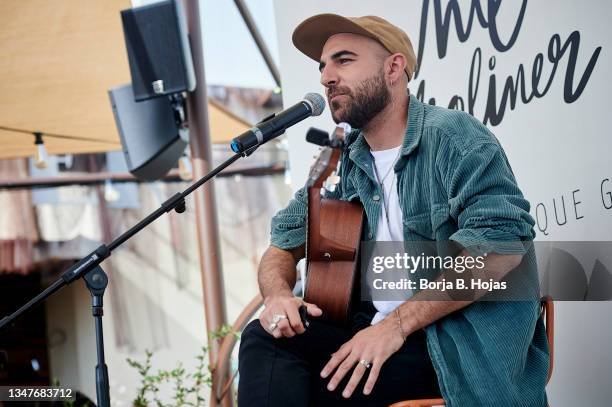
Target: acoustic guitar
[[333, 237]]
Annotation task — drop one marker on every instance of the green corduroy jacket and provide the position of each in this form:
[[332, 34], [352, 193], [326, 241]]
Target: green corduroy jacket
[[454, 183]]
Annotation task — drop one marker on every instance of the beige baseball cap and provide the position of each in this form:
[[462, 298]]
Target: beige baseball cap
[[312, 34]]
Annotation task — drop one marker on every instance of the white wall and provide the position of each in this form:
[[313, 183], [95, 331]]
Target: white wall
[[555, 147]]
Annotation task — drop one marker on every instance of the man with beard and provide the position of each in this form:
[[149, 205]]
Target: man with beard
[[422, 173]]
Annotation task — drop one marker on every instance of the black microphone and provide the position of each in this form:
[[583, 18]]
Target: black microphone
[[312, 105], [321, 138], [318, 137]]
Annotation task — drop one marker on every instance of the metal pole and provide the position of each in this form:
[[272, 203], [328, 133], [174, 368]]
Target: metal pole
[[206, 217], [261, 45]]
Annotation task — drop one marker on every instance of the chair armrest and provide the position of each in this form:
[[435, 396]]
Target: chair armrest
[[227, 346], [548, 314]]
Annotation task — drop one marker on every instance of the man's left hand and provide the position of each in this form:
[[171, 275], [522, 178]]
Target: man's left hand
[[374, 345]]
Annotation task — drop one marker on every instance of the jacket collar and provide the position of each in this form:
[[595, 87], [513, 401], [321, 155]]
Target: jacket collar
[[414, 130], [359, 150]]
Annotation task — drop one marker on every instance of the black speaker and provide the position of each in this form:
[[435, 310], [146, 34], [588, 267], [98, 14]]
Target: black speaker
[[158, 49], [150, 136]]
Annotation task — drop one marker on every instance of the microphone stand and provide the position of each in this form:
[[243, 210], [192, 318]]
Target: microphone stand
[[96, 279]]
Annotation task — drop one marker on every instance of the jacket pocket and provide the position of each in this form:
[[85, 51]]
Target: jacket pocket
[[418, 227]]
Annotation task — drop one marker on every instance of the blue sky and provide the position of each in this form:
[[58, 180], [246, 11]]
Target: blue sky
[[231, 56]]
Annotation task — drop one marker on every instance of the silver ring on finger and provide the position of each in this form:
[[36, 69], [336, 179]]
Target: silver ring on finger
[[276, 318], [365, 363], [272, 326]]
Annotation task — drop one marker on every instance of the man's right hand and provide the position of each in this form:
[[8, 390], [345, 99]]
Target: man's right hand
[[284, 309]]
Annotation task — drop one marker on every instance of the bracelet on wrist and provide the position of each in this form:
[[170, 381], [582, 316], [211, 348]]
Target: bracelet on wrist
[[399, 324]]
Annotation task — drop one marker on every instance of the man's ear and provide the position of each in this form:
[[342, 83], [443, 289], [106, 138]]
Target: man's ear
[[395, 66]]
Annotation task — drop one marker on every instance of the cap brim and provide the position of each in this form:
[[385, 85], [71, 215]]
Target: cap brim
[[312, 34]]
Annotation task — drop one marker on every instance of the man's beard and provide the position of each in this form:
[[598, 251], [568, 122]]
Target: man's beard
[[362, 105]]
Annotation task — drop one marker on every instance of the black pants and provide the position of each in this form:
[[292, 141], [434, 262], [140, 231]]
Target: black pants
[[285, 371]]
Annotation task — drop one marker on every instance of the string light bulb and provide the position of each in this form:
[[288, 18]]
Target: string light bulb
[[41, 156], [185, 168]]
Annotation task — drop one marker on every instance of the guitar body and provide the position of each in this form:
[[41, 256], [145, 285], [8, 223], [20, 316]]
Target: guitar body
[[333, 236], [333, 255]]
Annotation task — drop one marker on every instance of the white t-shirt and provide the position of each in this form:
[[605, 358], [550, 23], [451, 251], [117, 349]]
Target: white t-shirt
[[384, 160]]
